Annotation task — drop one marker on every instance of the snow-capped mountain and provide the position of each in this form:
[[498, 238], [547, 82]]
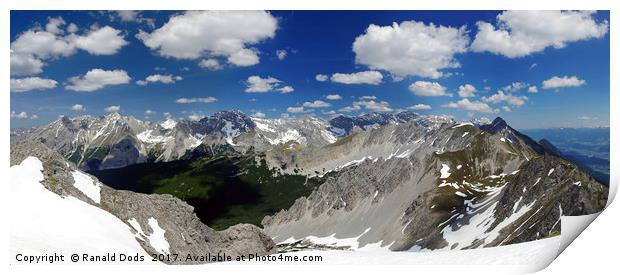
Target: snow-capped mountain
[[342, 126], [113, 141]]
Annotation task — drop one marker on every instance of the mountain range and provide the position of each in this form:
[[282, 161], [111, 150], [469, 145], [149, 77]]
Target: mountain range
[[392, 181]]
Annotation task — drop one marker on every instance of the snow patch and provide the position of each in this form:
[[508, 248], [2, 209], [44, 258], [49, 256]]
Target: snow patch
[[168, 124], [332, 240], [444, 171], [157, 238], [230, 132], [87, 186], [148, 137], [462, 124]]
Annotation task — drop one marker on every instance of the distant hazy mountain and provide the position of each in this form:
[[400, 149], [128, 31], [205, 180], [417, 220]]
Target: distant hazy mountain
[[586, 147]]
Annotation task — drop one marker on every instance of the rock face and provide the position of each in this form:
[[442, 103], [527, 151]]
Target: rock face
[[183, 233], [418, 186]]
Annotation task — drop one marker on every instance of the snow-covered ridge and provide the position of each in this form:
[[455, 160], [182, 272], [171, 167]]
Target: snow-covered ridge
[[68, 223]]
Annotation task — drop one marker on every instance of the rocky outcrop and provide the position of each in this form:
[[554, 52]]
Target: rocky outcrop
[[452, 186], [184, 232]]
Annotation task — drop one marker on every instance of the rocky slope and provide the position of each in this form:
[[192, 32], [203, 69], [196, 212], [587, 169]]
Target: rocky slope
[[448, 186], [147, 215]]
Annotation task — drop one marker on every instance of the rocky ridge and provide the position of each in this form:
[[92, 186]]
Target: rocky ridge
[[184, 232]]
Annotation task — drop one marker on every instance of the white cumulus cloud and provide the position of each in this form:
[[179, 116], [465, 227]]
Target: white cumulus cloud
[[281, 54], [321, 77], [96, 79], [511, 99], [210, 64], [184, 100], [25, 64], [166, 79], [521, 33], [54, 25], [557, 82], [20, 115], [514, 87], [32, 47], [103, 41], [286, 89], [227, 34], [32, 83], [113, 109], [467, 90], [366, 77], [468, 105], [257, 84], [334, 97], [420, 107], [316, 104], [426, 88], [410, 48], [78, 108]]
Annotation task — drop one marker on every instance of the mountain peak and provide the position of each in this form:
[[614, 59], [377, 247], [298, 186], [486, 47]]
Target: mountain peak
[[114, 115], [499, 122], [497, 125]]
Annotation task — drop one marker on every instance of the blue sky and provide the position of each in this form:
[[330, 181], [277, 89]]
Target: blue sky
[[79, 62]]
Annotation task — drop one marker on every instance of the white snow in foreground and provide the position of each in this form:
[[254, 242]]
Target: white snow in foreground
[[528, 255], [465, 134], [86, 185], [157, 239], [444, 171], [45, 222], [550, 172]]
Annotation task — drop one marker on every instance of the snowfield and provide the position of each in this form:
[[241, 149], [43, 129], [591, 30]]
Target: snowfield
[[48, 223], [522, 257]]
